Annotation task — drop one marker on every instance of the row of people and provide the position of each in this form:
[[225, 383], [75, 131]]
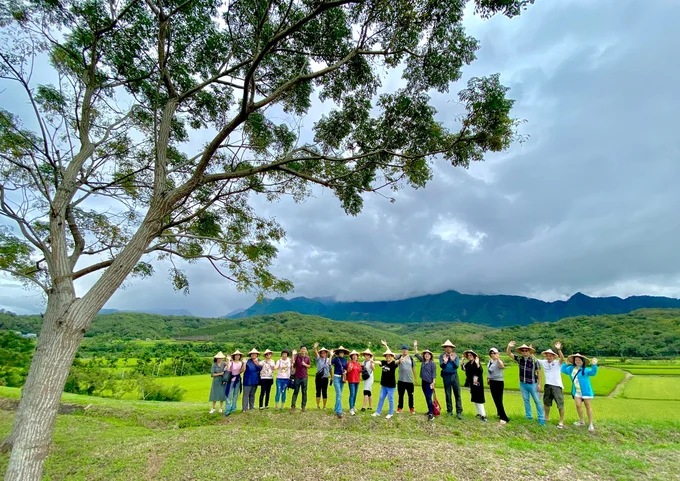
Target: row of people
[[231, 375]]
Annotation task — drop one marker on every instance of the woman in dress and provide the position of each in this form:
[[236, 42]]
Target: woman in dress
[[282, 377], [266, 378], [495, 379], [474, 379], [218, 370], [367, 370], [581, 389], [353, 379], [235, 366]]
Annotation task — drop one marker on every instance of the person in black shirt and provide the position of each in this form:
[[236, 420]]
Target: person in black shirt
[[474, 379], [388, 383]]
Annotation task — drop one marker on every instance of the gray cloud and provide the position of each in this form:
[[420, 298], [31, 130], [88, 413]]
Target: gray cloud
[[588, 204]]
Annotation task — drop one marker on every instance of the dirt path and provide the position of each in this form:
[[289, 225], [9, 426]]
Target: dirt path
[[618, 390]]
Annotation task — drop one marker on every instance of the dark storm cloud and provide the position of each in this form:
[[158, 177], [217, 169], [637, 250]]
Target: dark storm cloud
[[588, 204]]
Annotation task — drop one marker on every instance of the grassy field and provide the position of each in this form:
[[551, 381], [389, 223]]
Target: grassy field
[[653, 387], [134, 440]]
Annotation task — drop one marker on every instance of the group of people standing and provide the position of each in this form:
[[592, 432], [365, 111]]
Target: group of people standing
[[337, 367]]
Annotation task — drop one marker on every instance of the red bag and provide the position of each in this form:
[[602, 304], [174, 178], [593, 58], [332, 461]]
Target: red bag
[[436, 408]]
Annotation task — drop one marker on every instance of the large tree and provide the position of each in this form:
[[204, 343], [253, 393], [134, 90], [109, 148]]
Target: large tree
[[100, 174]]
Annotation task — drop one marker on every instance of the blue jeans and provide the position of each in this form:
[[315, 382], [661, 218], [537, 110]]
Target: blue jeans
[[353, 390], [232, 398], [281, 388], [338, 385], [386, 392], [531, 391], [427, 391]]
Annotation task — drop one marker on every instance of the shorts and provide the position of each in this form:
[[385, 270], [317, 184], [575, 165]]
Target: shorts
[[583, 397], [553, 393], [367, 393]]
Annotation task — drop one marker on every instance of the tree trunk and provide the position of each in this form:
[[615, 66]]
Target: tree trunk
[[66, 320], [41, 395]]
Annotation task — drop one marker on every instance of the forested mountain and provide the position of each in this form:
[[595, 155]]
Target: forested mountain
[[642, 333], [491, 310]]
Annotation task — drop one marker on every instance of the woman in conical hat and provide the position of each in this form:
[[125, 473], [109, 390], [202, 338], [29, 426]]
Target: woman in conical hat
[[235, 367], [367, 367], [217, 387], [251, 380], [266, 379], [323, 373], [339, 365], [353, 380], [388, 383], [581, 388]]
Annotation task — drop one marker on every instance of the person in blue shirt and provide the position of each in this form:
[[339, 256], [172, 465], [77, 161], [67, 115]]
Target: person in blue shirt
[[251, 379], [339, 366], [581, 389], [449, 362]]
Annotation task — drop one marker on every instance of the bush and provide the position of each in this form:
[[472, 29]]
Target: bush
[[150, 390]]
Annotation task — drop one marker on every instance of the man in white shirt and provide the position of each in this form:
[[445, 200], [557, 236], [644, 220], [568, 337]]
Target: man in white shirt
[[553, 382]]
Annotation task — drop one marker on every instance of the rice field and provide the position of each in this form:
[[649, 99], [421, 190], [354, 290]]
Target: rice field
[[653, 388]]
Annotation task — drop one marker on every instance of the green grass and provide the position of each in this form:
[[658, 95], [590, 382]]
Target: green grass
[[124, 440], [653, 387]]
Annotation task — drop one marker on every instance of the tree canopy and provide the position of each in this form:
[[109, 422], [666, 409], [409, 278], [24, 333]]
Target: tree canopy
[[133, 83]]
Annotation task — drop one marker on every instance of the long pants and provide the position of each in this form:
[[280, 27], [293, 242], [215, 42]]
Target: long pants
[[281, 388], [451, 383], [403, 386], [480, 409], [266, 385], [427, 391], [232, 397], [353, 390], [248, 401], [321, 385], [530, 391], [386, 392], [338, 385], [496, 388], [300, 384]]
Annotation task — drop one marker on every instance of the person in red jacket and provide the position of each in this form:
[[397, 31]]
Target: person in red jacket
[[353, 379]]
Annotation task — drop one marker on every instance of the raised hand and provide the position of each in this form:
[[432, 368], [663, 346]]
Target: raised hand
[[594, 361], [316, 344], [512, 343], [558, 345], [415, 344], [294, 352], [383, 342]]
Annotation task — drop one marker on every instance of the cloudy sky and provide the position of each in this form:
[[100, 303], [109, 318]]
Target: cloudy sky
[[590, 203]]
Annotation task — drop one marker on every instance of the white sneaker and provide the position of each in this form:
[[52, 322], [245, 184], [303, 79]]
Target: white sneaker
[[352, 412], [591, 428], [375, 415], [388, 416], [579, 423], [212, 411]]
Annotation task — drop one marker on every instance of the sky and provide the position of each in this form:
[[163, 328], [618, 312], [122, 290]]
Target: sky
[[589, 203]]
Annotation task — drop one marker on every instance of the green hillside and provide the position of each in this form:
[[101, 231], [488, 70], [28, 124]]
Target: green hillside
[[642, 333]]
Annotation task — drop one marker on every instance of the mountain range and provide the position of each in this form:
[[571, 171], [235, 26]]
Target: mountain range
[[491, 310]]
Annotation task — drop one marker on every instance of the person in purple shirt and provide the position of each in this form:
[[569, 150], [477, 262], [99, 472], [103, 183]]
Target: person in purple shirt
[[301, 362]]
